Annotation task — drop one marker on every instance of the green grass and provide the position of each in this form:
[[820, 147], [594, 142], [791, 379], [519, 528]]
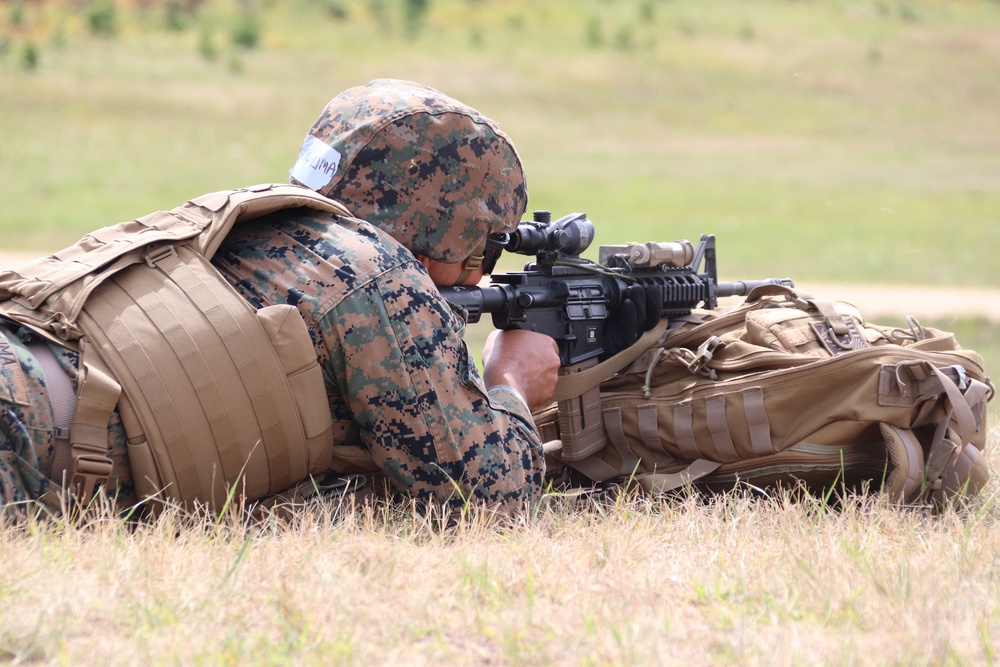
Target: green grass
[[837, 141], [975, 333], [849, 141]]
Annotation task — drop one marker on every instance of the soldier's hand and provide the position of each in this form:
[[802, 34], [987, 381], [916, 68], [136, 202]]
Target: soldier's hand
[[525, 360]]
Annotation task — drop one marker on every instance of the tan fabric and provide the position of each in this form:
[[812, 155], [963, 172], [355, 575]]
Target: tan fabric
[[790, 389], [217, 396]]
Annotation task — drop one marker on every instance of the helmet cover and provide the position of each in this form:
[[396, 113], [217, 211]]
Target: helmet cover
[[433, 173]]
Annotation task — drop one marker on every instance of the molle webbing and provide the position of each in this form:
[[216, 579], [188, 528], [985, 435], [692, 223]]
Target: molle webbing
[[198, 368], [48, 293], [215, 395], [784, 391]]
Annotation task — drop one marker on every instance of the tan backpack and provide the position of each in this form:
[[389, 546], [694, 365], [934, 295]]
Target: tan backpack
[[215, 396], [788, 390]]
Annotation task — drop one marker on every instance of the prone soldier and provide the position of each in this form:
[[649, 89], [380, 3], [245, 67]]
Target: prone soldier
[[426, 180]]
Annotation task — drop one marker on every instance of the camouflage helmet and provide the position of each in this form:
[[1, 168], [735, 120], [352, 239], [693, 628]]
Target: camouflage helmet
[[435, 174]]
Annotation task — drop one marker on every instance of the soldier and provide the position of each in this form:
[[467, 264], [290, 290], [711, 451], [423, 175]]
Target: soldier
[[427, 179]]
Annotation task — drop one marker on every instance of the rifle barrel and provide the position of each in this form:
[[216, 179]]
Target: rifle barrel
[[743, 287]]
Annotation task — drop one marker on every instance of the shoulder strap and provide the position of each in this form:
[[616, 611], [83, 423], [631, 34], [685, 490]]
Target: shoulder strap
[[48, 292], [227, 207]]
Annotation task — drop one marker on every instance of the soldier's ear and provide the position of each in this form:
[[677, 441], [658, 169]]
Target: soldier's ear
[[423, 259]]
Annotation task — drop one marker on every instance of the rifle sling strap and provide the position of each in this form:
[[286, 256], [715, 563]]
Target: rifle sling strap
[[576, 384]]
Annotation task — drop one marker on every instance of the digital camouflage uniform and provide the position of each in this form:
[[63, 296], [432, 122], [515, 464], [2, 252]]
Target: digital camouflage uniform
[[401, 383], [428, 175], [28, 428]]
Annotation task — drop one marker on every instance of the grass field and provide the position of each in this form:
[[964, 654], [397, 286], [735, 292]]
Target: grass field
[[851, 141], [634, 582], [837, 141]]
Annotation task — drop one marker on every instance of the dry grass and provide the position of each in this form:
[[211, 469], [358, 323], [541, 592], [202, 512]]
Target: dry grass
[[776, 125], [732, 581]]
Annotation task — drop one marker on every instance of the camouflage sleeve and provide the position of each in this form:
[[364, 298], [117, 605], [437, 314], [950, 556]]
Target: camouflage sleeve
[[397, 355]]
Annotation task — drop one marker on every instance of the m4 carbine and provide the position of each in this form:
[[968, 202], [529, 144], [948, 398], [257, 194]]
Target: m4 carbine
[[582, 304]]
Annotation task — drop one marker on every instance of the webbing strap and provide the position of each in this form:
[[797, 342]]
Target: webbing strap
[[649, 425], [718, 426], [757, 421], [62, 393], [576, 384], [977, 395], [62, 398], [666, 482], [684, 430], [947, 443], [594, 468], [616, 434], [963, 415], [943, 450], [95, 401]]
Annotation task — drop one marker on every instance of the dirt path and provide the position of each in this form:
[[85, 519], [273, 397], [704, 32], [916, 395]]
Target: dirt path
[[934, 306]]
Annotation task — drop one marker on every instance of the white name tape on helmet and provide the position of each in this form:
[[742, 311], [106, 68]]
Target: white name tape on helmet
[[317, 163]]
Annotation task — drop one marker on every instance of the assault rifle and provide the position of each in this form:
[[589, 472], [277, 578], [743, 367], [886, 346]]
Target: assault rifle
[[576, 301], [594, 310]]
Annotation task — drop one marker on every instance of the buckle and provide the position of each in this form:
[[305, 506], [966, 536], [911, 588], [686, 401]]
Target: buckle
[[90, 467], [963, 377], [696, 361], [158, 253], [839, 328]]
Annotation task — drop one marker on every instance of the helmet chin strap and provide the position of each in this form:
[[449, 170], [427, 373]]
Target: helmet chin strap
[[472, 262]]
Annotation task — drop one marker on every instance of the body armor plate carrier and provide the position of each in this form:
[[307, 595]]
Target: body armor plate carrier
[[215, 396]]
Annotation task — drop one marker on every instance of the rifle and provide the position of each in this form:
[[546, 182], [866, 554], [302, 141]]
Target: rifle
[[582, 304]]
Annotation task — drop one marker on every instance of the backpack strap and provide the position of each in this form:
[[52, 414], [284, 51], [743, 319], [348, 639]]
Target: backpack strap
[[658, 483]]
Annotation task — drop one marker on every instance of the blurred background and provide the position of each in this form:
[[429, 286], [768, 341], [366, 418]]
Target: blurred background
[[832, 141]]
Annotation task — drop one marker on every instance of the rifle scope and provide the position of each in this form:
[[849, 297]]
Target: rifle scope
[[570, 235]]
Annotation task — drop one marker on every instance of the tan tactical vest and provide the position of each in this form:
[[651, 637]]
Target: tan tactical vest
[[216, 397]]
